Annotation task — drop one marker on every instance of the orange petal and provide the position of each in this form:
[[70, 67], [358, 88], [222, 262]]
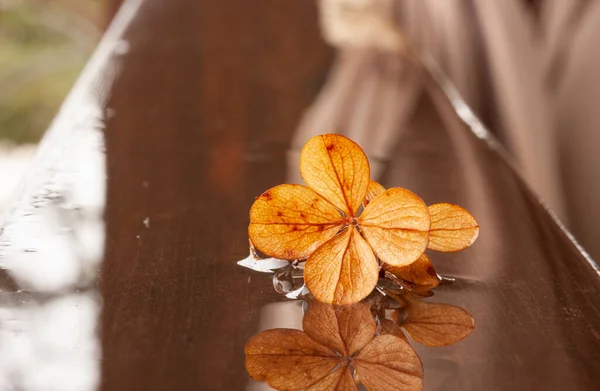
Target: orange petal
[[288, 359], [339, 380], [335, 167], [373, 190], [344, 329], [389, 363], [343, 270], [396, 225], [420, 273], [452, 228], [434, 324], [291, 221], [390, 327]]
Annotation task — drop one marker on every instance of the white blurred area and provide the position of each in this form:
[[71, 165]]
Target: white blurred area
[[51, 246], [50, 346], [14, 161]]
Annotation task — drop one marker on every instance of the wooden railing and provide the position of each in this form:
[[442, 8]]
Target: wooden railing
[[196, 103]]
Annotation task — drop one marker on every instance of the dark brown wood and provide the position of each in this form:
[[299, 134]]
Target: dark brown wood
[[199, 101], [218, 88]]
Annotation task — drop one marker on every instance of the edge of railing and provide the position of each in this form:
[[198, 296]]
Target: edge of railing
[[84, 105]]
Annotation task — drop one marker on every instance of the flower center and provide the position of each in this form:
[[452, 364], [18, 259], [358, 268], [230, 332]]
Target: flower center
[[346, 361], [353, 221]]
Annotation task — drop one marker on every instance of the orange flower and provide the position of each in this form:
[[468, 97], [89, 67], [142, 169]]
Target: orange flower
[[322, 222]]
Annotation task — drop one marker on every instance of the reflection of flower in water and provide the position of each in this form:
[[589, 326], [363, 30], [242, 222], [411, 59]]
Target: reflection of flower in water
[[343, 346], [338, 346], [430, 324]]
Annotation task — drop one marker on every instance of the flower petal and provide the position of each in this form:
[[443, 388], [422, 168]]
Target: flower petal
[[452, 228], [396, 225], [388, 326], [291, 221], [343, 270], [337, 168], [420, 273], [288, 359], [344, 329], [434, 324], [389, 363], [339, 380], [373, 190]]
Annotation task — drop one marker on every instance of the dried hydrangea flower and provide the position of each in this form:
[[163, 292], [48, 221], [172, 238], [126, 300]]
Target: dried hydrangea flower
[[322, 222]]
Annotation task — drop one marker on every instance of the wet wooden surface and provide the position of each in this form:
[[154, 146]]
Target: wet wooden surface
[[196, 103], [223, 87]]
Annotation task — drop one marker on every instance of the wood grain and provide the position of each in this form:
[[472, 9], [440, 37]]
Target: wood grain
[[200, 109], [205, 105]]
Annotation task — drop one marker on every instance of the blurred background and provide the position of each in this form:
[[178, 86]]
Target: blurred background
[[44, 45]]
